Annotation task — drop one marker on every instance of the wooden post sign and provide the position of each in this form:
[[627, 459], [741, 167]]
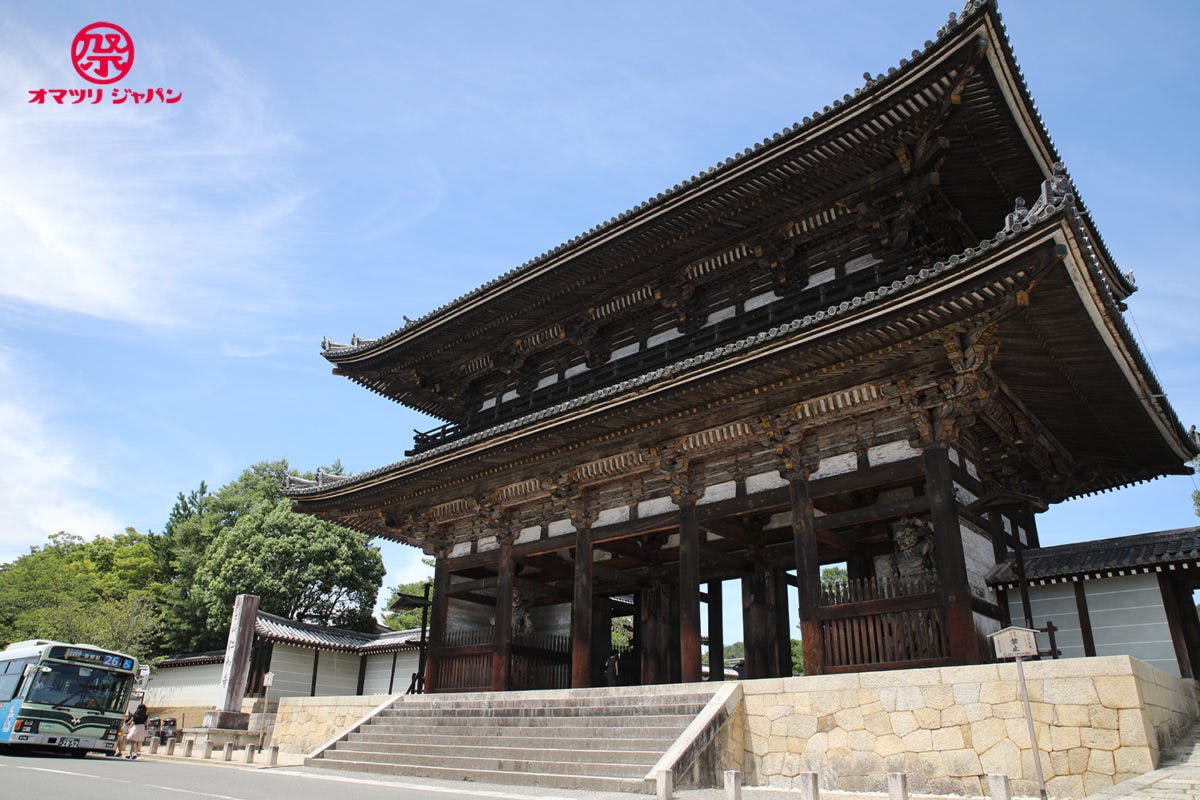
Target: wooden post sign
[[1015, 642]]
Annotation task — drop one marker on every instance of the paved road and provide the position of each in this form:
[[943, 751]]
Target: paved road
[[150, 779]]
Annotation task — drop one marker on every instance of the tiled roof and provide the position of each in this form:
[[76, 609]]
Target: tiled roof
[[1124, 555], [335, 351], [193, 660], [301, 487], [303, 634]]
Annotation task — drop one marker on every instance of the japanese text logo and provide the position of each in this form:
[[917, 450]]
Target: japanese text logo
[[102, 52]]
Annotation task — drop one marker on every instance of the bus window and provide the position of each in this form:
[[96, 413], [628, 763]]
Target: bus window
[[11, 673]]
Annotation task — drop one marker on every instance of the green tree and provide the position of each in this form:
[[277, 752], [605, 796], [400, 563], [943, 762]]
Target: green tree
[[408, 618], [104, 592], [299, 566]]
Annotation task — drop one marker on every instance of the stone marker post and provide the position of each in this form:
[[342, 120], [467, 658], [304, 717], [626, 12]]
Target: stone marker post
[[1001, 788], [229, 715], [806, 782], [897, 786], [733, 785]]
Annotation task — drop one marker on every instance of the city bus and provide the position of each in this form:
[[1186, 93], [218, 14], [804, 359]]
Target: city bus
[[66, 697]]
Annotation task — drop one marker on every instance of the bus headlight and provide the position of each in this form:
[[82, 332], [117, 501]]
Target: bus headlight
[[26, 726]]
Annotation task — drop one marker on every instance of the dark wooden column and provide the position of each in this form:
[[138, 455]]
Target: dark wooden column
[[1181, 620], [437, 621], [689, 590], [808, 573], [1085, 619], [716, 633], [650, 635], [581, 609], [948, 552], [995, 523], [781, 639], [601, 637], [756, 629], [502, 633]]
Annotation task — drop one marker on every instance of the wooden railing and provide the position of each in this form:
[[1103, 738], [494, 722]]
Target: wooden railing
[[877, 588], [886, 639], [883, 622], [539, 661]]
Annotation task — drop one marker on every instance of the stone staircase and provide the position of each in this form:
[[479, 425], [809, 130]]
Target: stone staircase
[[598, 739]]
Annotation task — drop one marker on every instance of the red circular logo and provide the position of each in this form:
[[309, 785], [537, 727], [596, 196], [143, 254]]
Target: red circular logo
[[102, 52]]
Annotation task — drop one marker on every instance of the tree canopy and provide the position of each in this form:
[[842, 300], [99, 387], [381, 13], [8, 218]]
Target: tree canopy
[[155, 593]]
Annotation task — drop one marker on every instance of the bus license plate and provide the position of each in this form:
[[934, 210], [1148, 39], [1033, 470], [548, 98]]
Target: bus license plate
[[68, 742]]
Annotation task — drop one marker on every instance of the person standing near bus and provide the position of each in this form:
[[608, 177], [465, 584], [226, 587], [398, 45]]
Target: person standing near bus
[[137, 730]]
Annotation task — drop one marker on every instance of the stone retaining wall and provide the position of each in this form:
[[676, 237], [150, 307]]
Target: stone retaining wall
[[1098, 721], [303, 723]]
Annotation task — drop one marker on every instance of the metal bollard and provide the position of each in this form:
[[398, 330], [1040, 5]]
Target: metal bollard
[[229, 751], [1000, 787], [208, 749], [897, 786], [274, 759], [806, 782], [187, 748], [733, 785], [664, 782], [250, 754], [171, 746], [154, 746]]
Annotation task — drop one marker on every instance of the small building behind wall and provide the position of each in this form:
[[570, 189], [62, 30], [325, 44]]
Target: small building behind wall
[[306, 661], [1131, 595]]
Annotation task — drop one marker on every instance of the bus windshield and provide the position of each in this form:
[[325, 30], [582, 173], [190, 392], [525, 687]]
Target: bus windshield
[[79, 686]]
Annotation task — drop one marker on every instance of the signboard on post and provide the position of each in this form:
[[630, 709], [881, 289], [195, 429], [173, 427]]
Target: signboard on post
[[1015, 642]]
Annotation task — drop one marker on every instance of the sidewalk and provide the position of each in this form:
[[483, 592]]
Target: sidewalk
[[261, 759]]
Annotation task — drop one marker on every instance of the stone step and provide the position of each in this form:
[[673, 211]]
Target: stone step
[[601, 738], [555, 780], [521, 761], [586, 751], [492, 723], [689, 709], [516, 701]]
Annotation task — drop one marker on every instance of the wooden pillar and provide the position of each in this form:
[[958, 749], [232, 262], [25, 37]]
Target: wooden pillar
[[437, 622], [689, 591], [581, 609], [995, 523], [1181, 620], [755, 627], [1085, 619], [502, 633], [716, 633], [651, 635], [781, 638], [671, 621], [601, 638], [948, 552], [808, 574]]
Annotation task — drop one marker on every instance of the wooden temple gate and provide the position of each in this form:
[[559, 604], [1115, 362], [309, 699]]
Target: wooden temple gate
[[854, 343]]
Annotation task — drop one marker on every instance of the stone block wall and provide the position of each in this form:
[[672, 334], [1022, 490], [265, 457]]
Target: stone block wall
[[303, 723], [1098, 721]]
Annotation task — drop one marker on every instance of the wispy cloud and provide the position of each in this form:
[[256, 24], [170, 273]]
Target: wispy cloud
[[43, 481], [154, 215]]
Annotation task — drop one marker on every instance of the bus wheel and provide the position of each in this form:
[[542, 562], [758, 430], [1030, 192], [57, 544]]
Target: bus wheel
[[79, 752]]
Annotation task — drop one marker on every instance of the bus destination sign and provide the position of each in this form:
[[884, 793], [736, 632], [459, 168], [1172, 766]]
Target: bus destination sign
[[92, 657]]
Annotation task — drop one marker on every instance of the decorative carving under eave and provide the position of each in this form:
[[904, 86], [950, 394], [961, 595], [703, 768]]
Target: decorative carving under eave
[[784, 434], [676, 468]]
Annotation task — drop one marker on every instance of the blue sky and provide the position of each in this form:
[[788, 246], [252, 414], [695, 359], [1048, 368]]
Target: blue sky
[[167, 272]]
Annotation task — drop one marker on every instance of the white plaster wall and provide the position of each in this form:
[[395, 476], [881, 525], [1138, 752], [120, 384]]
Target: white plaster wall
[[1128, 618], [198, 685], [379, 669], [1054, 602], [337, 673], [1126, 613], [293, 671]]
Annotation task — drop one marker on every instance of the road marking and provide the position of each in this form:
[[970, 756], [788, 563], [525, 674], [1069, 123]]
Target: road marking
[[68, 772], [189, 791], [424, 787]]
